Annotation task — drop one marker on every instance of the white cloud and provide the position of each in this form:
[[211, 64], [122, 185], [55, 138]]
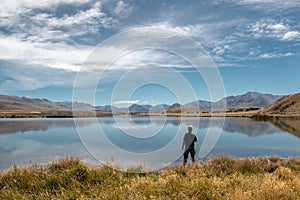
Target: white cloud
[[125, 102], [19, 76], [123, 9], [290, 35], [287, 3], [44, 39], [135, 62], [221, 50], [13, 8], [265, 28], [79, 18], [47, 26], [134, 57], [277, 27], [264, 39], [209, 32], [60, 56], [275, 55], [189, 30], [266, 5], [92, 16], [147, 58], [269, 28]]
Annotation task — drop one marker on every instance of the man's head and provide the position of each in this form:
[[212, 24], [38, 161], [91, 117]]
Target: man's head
[[190, 128]]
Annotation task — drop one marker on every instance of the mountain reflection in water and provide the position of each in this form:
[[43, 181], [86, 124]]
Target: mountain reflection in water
[[233, 125]]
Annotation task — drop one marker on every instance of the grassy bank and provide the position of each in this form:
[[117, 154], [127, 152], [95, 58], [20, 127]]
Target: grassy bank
[[51, 114], [272, 117], [219, 178]]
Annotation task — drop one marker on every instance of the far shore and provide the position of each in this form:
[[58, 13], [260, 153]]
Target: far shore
[[85, 114]]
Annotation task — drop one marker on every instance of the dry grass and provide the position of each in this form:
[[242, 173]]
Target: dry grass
[[51, 114], [205, 114], [219, 178]]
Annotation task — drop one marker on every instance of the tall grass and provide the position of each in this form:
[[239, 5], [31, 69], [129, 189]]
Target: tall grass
[[218, 178]]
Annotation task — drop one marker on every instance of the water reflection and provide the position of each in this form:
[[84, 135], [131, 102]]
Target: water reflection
[[234, 125], [24, 125], [41, 140], [290, 126]]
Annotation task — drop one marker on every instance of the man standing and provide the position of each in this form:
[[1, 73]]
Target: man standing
[[188, 145]]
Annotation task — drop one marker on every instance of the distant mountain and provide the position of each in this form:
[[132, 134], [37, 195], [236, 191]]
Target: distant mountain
[[67, 105], [289, 105], [135, 108], [23, 103], [106, 108], [159, 108], [139, 108], [109, 108], [248, 100], [201, 104]]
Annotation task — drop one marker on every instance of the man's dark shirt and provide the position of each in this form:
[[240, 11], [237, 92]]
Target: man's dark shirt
[[189, 139]]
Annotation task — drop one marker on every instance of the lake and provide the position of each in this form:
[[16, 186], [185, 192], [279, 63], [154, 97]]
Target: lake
[[154, 142]]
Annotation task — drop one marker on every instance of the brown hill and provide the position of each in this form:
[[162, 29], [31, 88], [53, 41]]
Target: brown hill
[[23, 103], [289, 105], [184, 109]]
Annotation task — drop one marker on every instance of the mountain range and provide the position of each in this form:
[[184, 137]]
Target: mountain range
[[250, 99], [246, 101]]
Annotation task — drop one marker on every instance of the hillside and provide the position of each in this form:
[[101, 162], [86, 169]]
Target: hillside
[[289, 106], [23, 103]]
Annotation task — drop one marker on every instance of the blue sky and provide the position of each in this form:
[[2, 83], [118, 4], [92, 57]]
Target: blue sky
[[43, 45]]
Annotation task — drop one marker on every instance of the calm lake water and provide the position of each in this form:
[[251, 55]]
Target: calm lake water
[[154, 142]]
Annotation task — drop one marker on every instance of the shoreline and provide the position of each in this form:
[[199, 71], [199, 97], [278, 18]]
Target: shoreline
[[87, 114]]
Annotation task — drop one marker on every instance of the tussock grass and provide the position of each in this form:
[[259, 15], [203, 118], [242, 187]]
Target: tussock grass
[[218, 178]]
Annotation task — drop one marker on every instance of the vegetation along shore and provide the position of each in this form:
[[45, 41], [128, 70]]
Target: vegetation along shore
[[218, 178]]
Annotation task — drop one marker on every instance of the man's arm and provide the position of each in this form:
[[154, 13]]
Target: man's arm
[[183, 144], [195, 139]]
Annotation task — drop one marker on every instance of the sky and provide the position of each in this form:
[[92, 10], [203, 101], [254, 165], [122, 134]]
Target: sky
[[44, 45]]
